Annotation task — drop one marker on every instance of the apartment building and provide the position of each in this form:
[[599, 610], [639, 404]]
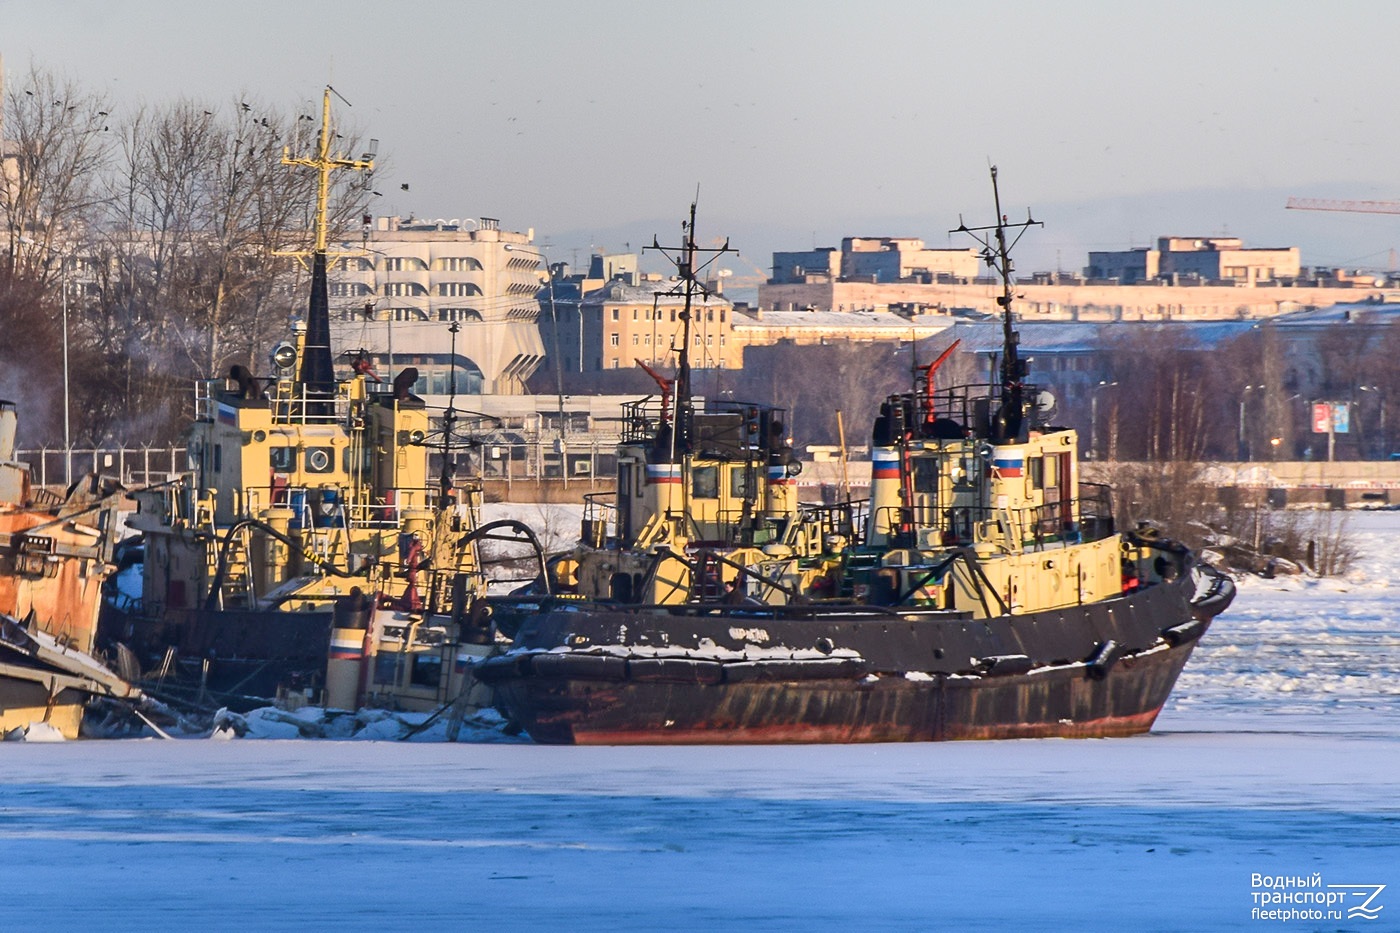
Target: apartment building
[[1198, 260], [415, 279]]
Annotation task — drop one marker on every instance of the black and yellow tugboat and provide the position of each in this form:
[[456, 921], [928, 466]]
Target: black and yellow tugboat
[[983, 593], [310, 551]]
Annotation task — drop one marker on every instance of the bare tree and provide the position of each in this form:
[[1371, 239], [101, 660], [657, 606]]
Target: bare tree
[[55, 147]]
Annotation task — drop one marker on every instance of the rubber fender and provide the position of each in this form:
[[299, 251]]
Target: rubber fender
[[1213, 594], [674, 670], [1186, 631], [1003, 665], [783, 670], [502, 667], [1103, 659], [579, 666]]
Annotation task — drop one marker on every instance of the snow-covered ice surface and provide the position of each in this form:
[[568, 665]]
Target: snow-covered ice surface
[[1278, 755]]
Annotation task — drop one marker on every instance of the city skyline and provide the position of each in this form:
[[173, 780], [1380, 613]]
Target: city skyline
[[595, 124]]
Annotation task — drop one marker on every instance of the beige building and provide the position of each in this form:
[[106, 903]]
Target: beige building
[[875, 259], [618, 323], [1198, 260], [416, 278], [1184, 278]]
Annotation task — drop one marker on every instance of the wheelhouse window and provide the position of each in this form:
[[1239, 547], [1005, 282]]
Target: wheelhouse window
[[704, 482]]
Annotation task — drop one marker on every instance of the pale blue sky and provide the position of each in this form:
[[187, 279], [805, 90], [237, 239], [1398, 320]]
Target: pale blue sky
[[801, 122]]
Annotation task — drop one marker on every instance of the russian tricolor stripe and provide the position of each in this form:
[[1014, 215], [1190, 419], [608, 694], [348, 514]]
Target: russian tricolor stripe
[[348, 647], [1008, 463], [663, 473], [884, 464]]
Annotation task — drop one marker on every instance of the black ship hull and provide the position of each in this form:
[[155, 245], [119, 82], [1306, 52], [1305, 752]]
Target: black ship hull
[[241, 659], [726, 675]]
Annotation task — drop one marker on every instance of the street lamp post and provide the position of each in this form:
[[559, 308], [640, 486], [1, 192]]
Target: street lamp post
[[1094, 417], [1246, 451], [1381, 443], [67, 435]]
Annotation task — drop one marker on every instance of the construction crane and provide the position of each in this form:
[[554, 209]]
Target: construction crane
[[1355, 207]]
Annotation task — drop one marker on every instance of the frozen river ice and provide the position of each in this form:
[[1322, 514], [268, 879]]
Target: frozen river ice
[[1278, 755]]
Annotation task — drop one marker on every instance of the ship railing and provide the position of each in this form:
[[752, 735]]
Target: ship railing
[[291, 402], [1037, 527], [969, 406], [330, 506], [843, 519], [1096, 511], [731, 527], [599, 522], [641, 419]]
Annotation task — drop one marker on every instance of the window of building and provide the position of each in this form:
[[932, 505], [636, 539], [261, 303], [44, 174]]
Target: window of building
[[616, 363], [614, 340], [458, 264], [636, 340], [404, 290], [458, 314], [616, 312], [458, 289], [348, 289]]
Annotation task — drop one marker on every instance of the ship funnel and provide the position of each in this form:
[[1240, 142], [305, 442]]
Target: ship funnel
[[317, 374]]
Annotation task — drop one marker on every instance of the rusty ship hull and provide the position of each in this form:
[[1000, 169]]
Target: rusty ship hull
[[737, 675]]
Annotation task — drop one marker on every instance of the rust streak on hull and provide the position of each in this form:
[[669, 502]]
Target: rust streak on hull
[[1054, 702]]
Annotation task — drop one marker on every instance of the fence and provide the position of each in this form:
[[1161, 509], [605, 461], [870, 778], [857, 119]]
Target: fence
[[576, 460], [134, 466]]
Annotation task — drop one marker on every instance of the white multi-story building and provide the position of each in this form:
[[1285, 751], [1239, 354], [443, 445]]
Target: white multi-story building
[[416, 278]]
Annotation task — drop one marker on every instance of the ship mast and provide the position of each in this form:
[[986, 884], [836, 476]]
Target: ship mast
[[996, 253], [687, 260], [317, 371]]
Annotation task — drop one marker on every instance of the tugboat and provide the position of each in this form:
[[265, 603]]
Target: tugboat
[[308, 553], [55, 553], [982, 592]]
